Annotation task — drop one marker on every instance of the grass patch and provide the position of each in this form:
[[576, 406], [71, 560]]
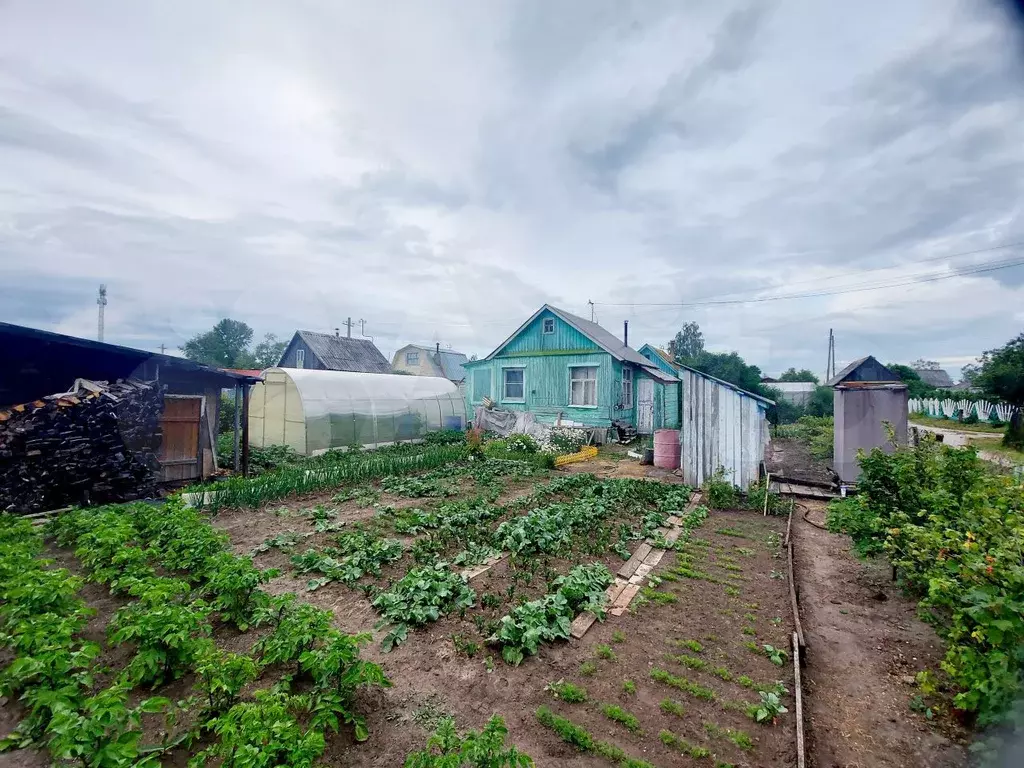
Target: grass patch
[[723, 673], [629, 687], [618, 636], [691, 662], [682, 684], [655, 596], [573, 694], [749, 631], [691, 645], [740, 738], [604, 652], [580, 738], [736, 533], [618, 715], [588, 668], [672, 707], [673, 741], [732, 592]]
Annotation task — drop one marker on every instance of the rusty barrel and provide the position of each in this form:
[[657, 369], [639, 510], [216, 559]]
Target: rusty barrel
[[666, 448]]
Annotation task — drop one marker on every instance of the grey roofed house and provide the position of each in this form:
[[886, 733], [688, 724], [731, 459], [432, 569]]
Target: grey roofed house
[[333, 352], [863, 369], [935, 377], [430, 361]]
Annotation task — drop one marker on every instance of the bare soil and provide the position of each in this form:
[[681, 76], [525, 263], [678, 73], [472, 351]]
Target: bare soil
[[864, 645]]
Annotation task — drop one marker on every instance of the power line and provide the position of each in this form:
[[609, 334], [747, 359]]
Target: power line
[[854, 289]]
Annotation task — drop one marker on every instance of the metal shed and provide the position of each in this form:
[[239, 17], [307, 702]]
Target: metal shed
[[868, 397], [722, 426], [313, 411]]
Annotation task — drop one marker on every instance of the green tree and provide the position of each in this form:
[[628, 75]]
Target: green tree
[[729, 366], [802, 375], [783, 412], [226, 345], [915, 387], [1002, 377], [820, 402], [687, 344], [268, 352], [970, 372]]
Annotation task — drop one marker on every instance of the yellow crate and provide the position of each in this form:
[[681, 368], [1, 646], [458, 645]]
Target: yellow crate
[[585, 453]]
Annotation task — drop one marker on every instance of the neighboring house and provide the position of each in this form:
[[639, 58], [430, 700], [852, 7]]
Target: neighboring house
[[559, 365], [870, 400], [795, 392], [424, 361], [935, 377], [327, 352]]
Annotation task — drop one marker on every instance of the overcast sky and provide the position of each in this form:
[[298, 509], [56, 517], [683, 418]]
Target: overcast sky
[[441, 169]]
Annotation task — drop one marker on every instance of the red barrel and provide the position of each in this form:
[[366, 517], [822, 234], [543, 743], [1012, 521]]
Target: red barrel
[[666, 448]]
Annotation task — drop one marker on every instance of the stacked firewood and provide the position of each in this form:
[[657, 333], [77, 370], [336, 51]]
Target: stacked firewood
[[95, 444]]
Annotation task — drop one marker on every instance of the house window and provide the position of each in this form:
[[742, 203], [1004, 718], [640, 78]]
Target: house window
[[583, 385], [513, 384], [549, 325], [627, 387], [300, 358], [412, 358]]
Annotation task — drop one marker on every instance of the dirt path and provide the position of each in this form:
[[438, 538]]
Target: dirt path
[[960, 439], [865, 643]]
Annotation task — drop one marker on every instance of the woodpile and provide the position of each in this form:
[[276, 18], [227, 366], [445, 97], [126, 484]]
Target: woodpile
[[96, 444]]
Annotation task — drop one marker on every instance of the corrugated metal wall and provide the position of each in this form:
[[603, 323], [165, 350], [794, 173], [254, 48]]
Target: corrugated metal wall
[[720, 427]]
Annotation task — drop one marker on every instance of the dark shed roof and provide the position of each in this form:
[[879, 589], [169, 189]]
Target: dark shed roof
[[36, 363], [864, 369], [343, 353]]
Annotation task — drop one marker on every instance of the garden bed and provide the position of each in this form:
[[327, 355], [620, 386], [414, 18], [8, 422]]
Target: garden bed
[[723, 594]]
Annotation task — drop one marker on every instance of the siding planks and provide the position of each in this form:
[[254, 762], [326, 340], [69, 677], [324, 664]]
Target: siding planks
[[720, 427]]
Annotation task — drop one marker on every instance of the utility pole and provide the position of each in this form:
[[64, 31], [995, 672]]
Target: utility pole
[[830, 362], [101, 302], [591, 310], [162, 348], [362, 330], [348, 326]]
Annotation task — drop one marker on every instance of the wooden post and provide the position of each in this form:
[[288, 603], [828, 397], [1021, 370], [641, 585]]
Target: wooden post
[[238, 410], [245, 430], [801, 759]]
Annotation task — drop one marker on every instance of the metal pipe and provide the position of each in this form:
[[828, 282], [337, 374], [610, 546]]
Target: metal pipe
[[625, 333], [238, 412]]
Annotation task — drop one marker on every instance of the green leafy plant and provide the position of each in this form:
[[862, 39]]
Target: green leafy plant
[[670, 707], [769, 708], [486, 749], [776, 656], [421, 596], [629, 687], [264, 733], [687, 686], [164, 628], [221, 676], [670, 739], [618, 636], [740, 738], [604, 652], [233, 584]]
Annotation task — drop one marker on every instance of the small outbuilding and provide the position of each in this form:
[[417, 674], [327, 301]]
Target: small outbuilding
[[315, 411], [869, 401], [38, 363], [430, 361], [332, 352]]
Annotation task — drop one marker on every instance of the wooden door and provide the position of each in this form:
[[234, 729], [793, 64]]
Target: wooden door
[[644, 406], [179, 452]]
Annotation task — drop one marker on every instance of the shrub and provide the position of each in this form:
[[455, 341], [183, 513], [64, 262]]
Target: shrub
[[721, 493], [567, 439], [521, 443], [445, 437]]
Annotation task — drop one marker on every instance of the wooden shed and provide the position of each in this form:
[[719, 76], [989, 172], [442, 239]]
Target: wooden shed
[[38, 363]]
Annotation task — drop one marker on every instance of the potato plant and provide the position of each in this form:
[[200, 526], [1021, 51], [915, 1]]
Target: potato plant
[[421, 596], [486, 749]]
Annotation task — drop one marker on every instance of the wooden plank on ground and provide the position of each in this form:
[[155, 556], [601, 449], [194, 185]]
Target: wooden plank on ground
[[641, 573], [654, 557], [622, 602], [581, 624], [629, 567], [476, 570]]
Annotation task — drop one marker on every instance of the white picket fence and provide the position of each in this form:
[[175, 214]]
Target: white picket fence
[[946, 408]]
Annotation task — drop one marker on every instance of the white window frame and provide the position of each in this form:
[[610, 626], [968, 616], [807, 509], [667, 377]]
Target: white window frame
[[412, 358], [504, 384], [300, 358], [584, 404], [627, 387], [544, 326]]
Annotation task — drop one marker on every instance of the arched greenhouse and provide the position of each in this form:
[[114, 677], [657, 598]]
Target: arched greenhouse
[[313, 411]]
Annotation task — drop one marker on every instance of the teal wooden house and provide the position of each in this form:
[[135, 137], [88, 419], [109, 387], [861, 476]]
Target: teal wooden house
[[559, 365]]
